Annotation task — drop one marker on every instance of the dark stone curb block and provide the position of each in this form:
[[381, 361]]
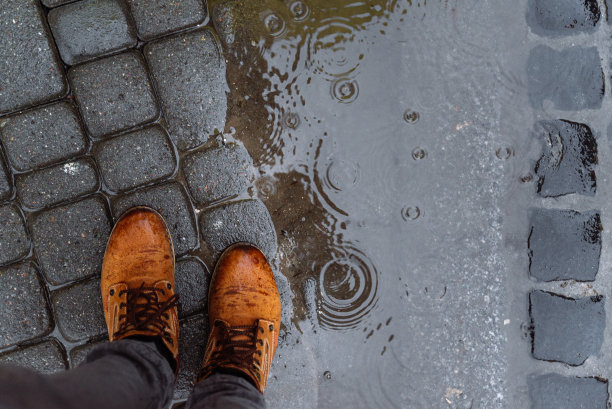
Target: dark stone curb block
[[45, 358], [552, 391]]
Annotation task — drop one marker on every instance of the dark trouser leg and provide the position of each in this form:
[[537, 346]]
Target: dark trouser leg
[[122, 374], [222, 391]]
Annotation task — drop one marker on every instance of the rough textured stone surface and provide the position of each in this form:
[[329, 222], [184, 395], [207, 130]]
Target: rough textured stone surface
[[189, 73], [55, 3], [218, 173], [136, 158], [158, 17], [14, 242], [564, 244], [246, 220], [56, 184], [553, 391], [191, 278], [566, 329], [561, 17], [90, 28], [113, 93], [78, 310], [23, 309], [46, 358], [78, 354], [5, 181], [42, 136], [571, 79], [69, 241], [171, 201], [568, 160], [29, 69], [192, 343]]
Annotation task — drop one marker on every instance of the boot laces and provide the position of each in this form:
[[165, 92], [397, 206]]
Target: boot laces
[[145, 311]]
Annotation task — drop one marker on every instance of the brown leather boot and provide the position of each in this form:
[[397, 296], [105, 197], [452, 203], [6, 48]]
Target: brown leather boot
[[138, 280], [244, 312]]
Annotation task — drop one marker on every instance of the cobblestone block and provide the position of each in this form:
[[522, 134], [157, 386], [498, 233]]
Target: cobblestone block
[[572, 79], [136, 158], [55, 3], [171, 201], [189, 72], [91, 28], [42, 136], [565, 329], [23, 309], [46, 358], [568, 160], [14, 242], [78, 354], [562, 17], [56, 184], [113, 94], [564, 244], [155, 18], [69, 241], [246, 220], [192, 343], [552, 391], [5, 181], [79, 310], [218, 173], [192, 278], [30, 72]]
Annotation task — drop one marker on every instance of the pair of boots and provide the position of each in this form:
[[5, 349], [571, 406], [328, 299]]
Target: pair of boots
[[139, 298]]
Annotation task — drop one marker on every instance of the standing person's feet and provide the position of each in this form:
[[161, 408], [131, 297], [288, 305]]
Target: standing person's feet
[[244, 312], [138, 282]]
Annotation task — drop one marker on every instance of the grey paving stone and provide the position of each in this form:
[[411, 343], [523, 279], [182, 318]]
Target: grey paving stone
[[91, 28], [46, 358], [58, 183], [78, 310], [5, 181], [30, 72], [192, 343], [158, 17], [113, 94], [191, 277], [562, 17], [136, 158], [564, 244], [569, 156], [572, 79], [23, 310], [42, 136], [218, 173], [245, 220], [69, 241], [565, 329], [171, 201], [55, 3], [189, 73], [553, 391], [14, 242]]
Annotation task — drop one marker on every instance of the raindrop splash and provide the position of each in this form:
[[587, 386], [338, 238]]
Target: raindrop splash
[[411, 116], [345, 90], [411, 213], [419, 153]]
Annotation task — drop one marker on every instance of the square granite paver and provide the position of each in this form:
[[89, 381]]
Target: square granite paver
[[569, 156], [553, 391], [136, 158], [23, 310], [46, 357], [69, 241], [171, 201], [189, 74], [218, 173], [14, 243], [30, 72], [572, 79], [78, 310], [5, 181], [564, 244], [57, 184], [114, 93], [192, 343], [91, 28], [191, 277], [42, 136], [155, 18], [565, 329]]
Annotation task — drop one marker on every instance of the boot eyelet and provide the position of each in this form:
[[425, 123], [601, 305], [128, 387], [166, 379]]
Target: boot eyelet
[[112, 292], [261, 329], [169, 286], [271, 327]]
